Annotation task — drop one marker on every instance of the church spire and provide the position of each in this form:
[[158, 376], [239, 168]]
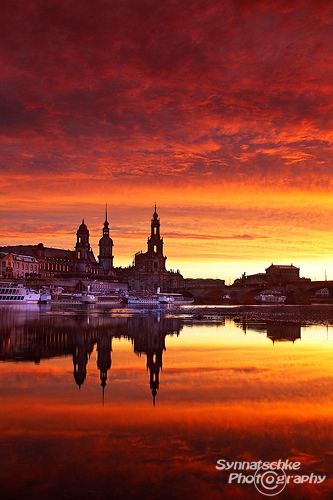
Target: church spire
[[155, 242], [105, 246], [155, 214]]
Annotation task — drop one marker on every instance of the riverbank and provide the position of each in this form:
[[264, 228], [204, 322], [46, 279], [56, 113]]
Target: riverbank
[[313, 314]]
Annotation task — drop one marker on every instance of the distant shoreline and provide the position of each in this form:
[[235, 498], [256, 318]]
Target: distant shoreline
[[307, 314]]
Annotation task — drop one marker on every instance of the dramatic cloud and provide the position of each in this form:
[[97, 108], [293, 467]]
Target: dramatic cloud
[[132, 96]]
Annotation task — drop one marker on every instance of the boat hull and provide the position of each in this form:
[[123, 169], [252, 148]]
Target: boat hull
[[171, 299], [143, 302], [17, 294]]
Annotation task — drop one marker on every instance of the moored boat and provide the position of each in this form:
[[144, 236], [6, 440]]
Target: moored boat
[[270, 297], [226, 298], [158, 298], [175, 299], [45, 295], [108, 299], [98, 298], [17, 294], [143, 299], [88, 298]]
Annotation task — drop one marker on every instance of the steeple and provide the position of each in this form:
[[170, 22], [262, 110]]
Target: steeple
[[149, 267], [155, 242], [106, 231], [105, 246]]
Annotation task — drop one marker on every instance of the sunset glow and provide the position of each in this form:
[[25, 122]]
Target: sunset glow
[[220, 112]]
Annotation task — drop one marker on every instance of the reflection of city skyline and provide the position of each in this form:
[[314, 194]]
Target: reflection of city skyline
[[27, 335], [33, 337], [277, 331]]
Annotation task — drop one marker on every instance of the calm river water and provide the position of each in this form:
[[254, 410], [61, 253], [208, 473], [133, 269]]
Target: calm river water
[[100, 404]]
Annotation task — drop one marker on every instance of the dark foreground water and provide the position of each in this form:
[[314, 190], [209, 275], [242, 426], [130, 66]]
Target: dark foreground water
[[100, 404]]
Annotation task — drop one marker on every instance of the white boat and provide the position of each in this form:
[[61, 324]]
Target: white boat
[[45, 295], [143, 299], [175, 299], [17, 294], [98, 298], [270, 297], [108, 298], [158, 298], [88, 298], [226, 297]]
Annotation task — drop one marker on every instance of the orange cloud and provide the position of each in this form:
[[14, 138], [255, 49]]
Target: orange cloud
[[213, 105]]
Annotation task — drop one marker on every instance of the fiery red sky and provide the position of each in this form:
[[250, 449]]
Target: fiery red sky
[[220, 112]]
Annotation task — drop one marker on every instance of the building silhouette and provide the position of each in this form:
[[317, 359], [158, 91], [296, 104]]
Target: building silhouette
[[282, 273], [148, 271], [56, 262], [84, 262], [105, 257]]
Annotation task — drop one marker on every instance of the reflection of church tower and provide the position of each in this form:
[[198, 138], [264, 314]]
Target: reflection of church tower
[[82, 247], [154, 365], [105, 247], [104, 348], [151, 341], [80, 359]]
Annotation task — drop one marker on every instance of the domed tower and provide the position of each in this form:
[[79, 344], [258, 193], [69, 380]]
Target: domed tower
[[82, 247], [80, 359], [105, 247]]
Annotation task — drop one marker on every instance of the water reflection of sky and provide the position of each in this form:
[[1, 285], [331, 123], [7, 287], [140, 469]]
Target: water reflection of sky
[[223, 390]]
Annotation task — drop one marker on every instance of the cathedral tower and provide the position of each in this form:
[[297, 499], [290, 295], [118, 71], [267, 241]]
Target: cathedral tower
[[82, 247], [105, 247], [149, 272], [85, 261], [155, 242]]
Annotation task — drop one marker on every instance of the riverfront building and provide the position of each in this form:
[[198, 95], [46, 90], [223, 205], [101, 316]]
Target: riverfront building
[[148, 271], [58, 263], [282, 273], [14, 265], [275, 274]]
